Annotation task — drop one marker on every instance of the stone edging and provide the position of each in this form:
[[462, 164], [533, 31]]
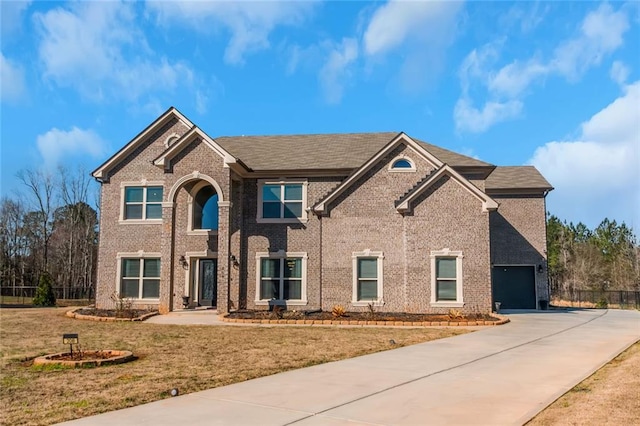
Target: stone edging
[[119, 357], [72, 314], [501, 320]]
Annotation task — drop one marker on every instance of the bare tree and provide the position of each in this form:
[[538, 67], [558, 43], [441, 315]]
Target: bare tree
[[41, 185]]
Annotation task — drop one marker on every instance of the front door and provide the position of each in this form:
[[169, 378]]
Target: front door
[[207, 282]]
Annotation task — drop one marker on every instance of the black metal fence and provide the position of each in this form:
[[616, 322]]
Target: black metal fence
[[25, 293], [622, 299]]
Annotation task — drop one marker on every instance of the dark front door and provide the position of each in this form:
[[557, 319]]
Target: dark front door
[[514, 287], [207, 282]]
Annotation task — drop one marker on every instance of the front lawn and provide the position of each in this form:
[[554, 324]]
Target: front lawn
[[190, 358]]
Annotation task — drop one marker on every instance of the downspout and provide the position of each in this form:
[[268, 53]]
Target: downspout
[[546, 247], [321, 264]]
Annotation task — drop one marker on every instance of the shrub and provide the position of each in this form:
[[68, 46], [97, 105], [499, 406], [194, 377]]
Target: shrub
[[455, 314], [44, 293], [338, 311], [124, 306], [603, 303]]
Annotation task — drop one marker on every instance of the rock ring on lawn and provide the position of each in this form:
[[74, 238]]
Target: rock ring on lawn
[[87, 359]]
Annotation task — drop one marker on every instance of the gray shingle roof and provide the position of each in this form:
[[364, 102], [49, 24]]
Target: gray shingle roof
[[516, 177], [322, 151], [453, 158]]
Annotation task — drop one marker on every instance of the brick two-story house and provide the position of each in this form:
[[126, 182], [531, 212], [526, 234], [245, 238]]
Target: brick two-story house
[[313, 221]]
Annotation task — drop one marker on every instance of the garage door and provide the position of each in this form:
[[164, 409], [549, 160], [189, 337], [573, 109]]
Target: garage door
[[514, 287]]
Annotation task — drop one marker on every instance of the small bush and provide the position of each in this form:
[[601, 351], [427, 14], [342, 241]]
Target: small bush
[[338, 311], [455, 314], [44, 293], [124, 306], [603, 303]]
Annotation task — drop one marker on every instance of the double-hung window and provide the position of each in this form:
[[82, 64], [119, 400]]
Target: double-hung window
[[446, 278], [283, 201], [142, 202], [281, 277], [367, 278], [140, 278]]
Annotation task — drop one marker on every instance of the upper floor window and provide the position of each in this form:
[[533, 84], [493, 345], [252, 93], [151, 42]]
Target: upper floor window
[[402, 164], [171, 139], [142, 202], [205, 209], [282, 201]]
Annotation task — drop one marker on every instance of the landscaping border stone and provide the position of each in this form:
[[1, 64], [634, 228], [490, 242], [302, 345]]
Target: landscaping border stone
[[72, 314], [119, 357], [501, 320]]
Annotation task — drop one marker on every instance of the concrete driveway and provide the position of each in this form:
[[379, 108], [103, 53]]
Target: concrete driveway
[[496, 376]]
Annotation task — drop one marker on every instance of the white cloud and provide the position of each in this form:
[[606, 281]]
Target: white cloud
[[469, 118], [336, 71], [250, 23], [512, 80], [396, 21], [619, 72], [598, 174], [55, 146], [601, 33], [12, 13], [97, 48], [12, 86], [417, 33]]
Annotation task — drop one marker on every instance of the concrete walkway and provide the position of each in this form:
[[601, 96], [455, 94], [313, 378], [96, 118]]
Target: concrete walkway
[[496, 376]]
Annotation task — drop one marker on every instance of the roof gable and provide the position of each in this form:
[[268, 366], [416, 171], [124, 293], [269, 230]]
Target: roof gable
[[404, 204], [171, 114], [322, 206], [164, 159]]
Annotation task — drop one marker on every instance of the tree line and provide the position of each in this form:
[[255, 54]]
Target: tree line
[[50, 230], [604, 258]]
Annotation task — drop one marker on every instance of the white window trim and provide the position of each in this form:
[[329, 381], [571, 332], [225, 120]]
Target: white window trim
[[281, 254], [303, 219], [380, 257], [136, 255], [402, 170], [459, 302], [144, 184], [171, 139], [190, 202]]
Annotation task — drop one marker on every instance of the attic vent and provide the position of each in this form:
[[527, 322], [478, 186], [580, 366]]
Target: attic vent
[[171, 140]]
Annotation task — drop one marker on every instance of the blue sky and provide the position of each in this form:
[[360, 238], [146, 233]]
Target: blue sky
[[553, 84]]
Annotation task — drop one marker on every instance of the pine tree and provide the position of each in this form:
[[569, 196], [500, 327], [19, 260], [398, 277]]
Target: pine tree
[[44, 292]]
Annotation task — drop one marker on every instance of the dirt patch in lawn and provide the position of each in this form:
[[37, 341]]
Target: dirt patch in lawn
[[611, 396], [190, 358]]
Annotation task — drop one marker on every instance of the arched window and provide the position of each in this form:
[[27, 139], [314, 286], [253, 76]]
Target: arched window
[[402, 163], [171, 140], [205, 209]]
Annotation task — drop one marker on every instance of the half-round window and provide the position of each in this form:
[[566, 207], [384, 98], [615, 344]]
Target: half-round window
[[171, 140], [205, 209], [402, 164]]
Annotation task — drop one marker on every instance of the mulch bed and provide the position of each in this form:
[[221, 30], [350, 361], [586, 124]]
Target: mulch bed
[[357, 316], [111, 314]]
